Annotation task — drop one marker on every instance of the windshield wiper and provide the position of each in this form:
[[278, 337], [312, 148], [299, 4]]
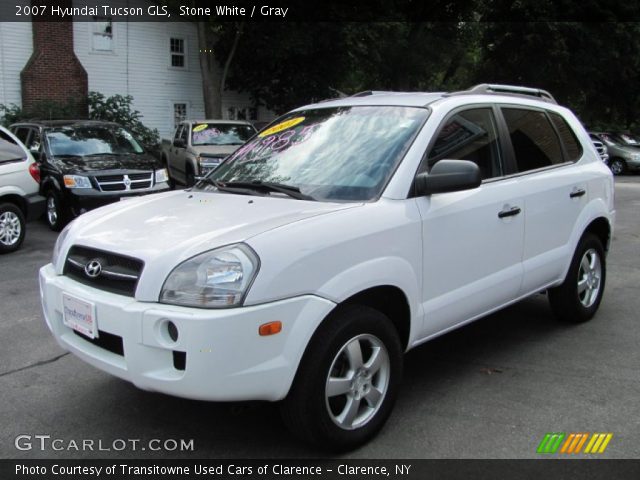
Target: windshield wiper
[[246, 187], [105, 154]]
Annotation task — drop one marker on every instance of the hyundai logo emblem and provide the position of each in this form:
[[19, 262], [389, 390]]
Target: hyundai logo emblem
[[93, 268]]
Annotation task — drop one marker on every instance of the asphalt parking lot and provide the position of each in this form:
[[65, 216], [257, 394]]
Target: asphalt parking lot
[[489, 390]]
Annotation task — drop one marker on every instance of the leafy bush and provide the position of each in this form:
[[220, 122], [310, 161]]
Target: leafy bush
[[117, 108], [43, 110], [10, 114]]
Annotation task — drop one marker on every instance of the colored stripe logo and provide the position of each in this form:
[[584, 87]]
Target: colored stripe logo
[[573, 443]]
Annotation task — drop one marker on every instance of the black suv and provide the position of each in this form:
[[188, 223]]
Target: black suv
[[85, 164]]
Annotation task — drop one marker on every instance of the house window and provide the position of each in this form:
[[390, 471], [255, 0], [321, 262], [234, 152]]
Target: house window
[[179, 113], [102, 35], [242, 113], [177, 50]]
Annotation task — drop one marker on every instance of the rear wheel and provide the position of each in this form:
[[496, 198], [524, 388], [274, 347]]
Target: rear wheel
[[579, 296], [618, 166], [348, 380], [12, 227]]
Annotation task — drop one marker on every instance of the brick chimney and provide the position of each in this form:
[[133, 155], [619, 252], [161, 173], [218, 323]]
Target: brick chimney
[[54, 73]]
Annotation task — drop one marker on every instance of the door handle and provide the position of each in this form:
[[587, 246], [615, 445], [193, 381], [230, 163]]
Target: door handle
[[578, 192], [510, 212]]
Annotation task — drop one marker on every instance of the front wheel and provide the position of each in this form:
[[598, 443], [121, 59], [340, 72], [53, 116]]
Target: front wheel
[[348, 380], [577, 299], [617, 166], [56, 216], [12, 227]]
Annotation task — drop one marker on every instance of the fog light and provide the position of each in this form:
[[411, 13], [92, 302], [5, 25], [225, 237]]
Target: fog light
[[172, 330]]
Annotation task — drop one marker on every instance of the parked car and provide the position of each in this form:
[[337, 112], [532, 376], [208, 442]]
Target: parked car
[[85, 164], [335, 240], [627, 139], [624, 155], [199, 146], [19, 185], [601, 148]]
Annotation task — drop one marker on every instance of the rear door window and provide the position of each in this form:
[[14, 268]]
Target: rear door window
[[23, 134], [534, 140]]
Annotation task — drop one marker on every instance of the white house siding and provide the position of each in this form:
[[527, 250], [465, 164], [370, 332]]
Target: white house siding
[[139, 65], [16, 46]]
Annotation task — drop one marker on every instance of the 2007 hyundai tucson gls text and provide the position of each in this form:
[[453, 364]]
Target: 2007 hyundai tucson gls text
[[341, 236]]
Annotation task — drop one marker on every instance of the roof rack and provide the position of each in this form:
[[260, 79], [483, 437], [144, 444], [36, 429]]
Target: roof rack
[[508, 90], [366, 93]]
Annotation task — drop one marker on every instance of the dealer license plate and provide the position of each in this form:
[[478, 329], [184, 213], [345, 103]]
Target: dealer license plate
[[79, 315]]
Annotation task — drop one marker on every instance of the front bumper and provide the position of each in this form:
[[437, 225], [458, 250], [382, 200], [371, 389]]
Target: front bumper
[[82, 200], [633, 165], [226, 359]]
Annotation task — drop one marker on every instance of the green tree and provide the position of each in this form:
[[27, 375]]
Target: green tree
[[118, 109]]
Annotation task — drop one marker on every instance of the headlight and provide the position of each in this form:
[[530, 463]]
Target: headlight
[[216, 279], [162, 175], [59, 241], [208, 163], [77, 181], [635, 156]]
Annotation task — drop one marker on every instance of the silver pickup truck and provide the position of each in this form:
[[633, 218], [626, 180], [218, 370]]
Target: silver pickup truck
[[199, 146]]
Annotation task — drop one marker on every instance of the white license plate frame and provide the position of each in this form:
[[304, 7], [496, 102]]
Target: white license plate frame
[[79, 315]]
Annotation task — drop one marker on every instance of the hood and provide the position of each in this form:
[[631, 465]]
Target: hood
[[222, 150], [100, 163], [167, 228]]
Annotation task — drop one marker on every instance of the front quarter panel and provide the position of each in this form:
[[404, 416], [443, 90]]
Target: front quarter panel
[[338, 255]]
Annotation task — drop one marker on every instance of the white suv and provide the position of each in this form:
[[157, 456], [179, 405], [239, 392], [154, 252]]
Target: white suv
[[343, 235], [19, 185]]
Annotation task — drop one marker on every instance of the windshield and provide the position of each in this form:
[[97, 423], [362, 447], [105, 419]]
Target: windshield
[[623, 139], [91, 140], [626, 139], [332, 154], [220, 134]]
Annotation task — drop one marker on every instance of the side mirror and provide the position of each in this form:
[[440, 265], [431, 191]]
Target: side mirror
[[448, 176], [178, 142]]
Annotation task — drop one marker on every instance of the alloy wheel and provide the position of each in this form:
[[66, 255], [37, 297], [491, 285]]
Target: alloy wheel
[[589, 277], [358, 381], [617, 167], [10, 228], [52, 210]]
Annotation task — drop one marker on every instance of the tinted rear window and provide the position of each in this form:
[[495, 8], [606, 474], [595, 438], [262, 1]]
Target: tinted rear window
[[9, 151], [567, 136], [534, 140]]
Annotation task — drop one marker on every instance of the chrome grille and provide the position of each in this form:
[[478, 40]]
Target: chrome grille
[[118, 273], [601, 149], [125, 182]]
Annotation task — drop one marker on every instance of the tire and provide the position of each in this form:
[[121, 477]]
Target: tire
[[618, 166], [12, 227], [55, 215], [573, 303], [323, 419], [190, 178]]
